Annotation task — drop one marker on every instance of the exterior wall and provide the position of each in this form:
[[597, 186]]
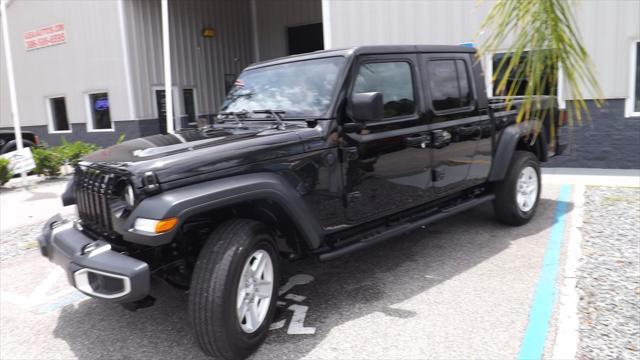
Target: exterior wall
[[372, 22], [130, 128], [5, 103], [273, 18], [607, 28], [90, 60], [197, 62], [607, 141]]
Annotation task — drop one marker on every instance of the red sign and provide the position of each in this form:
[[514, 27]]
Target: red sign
[[44, 36]]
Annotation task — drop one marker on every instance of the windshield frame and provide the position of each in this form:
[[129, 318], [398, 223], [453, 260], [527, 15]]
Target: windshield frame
[[339, 83]]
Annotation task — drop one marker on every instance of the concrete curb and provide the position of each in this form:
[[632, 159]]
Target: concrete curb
[[594, 177], [568, 326]]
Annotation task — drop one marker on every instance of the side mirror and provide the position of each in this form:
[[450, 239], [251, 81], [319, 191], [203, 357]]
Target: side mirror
[[365, 107]]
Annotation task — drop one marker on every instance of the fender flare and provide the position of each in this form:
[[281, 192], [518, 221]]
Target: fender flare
[[507, 143], [186, 201]]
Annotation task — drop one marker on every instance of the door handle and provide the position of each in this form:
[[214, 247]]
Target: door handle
[[441, 138], [418, 140]]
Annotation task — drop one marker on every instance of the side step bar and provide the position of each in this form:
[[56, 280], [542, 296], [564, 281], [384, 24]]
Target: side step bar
[[404, 228]]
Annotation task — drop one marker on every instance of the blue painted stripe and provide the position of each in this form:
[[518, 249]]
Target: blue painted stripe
[[536, 333], [62, 302]]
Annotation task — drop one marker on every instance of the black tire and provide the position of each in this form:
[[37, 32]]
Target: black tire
[[505, 204], [212, 298], [13, 146]]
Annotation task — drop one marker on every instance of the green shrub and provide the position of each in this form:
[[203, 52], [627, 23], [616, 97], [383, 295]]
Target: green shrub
[[5, 172], [72, 152], [48, 161]]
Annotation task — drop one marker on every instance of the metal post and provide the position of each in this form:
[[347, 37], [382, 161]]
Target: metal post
[[254, 28], [12, 81], [166, 54], [326, 24]]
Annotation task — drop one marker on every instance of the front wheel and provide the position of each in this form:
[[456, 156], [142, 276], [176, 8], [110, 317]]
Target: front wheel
[[518, 194], [234, 288]]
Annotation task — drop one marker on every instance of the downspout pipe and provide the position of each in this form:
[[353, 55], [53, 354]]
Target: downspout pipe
[[10, 74], [166, 54]]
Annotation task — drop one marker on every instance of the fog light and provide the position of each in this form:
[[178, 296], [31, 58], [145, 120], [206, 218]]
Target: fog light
[[155, 226]]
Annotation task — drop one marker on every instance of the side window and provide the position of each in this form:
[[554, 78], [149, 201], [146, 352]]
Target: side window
[[394, 80], [465, 88], [449, 84], [517, 78]]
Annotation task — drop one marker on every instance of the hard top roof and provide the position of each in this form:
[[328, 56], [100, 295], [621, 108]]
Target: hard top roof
[[369, 49]]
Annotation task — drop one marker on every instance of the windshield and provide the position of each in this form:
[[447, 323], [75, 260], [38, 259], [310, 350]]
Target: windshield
[[301, 89]]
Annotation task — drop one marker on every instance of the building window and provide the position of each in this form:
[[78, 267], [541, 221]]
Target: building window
[[189, 105], [632, 106], [516, 77], [58, 115], [449, 84], [99, 112], [394, 80], [161, 104]]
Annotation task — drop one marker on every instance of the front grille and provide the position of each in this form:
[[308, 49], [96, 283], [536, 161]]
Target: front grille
[[94, 189]]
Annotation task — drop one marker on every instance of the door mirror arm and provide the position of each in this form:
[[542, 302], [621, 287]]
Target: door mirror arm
[[352, 127]]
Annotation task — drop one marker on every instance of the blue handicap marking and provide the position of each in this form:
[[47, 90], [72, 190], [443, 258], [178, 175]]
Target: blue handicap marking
[[535, 334], [62, 302]]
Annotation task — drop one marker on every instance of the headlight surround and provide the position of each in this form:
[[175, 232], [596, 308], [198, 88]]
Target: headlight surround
[[129, 196]]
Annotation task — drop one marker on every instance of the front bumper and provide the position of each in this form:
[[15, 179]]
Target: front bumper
[[96, 270]]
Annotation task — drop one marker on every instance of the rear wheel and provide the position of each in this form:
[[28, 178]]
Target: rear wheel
[[518, 194], [234, 289]]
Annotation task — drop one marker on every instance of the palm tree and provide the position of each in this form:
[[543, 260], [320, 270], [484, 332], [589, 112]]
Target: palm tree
[[548, 28]]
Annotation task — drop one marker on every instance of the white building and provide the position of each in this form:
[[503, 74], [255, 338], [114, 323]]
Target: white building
[[104, 77]]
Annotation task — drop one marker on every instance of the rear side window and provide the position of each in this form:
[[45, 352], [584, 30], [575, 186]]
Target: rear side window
[[394, 80], [449, 84]]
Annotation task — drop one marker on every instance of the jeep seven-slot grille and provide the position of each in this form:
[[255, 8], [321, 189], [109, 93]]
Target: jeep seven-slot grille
[[93, 191]]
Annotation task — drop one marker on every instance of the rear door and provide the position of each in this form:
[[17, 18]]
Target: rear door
[[386, 166], [455, 124]]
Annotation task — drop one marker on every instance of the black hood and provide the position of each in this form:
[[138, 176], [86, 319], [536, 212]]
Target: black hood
[[191, 153]]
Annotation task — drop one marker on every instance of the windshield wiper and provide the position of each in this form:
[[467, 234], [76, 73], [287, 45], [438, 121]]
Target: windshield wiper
[[277, 114], [236, 116]]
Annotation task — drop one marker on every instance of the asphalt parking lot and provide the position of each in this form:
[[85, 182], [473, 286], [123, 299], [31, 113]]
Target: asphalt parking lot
[[461, 288]]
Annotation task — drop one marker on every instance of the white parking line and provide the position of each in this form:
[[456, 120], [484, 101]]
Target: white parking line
[[299, 279], [277, 325], [46, 285], [296, 326], [294, 297]]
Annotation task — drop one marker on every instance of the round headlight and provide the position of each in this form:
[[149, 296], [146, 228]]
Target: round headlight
[[129, 196]]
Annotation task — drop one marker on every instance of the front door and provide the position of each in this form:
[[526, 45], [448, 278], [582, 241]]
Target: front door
[[386, 165], [455, 123]]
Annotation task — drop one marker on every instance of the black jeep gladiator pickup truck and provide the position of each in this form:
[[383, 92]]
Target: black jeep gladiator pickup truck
[[319, 154]]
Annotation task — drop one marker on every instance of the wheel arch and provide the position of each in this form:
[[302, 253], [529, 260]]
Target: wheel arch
[[518, 137], [265, 197]]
